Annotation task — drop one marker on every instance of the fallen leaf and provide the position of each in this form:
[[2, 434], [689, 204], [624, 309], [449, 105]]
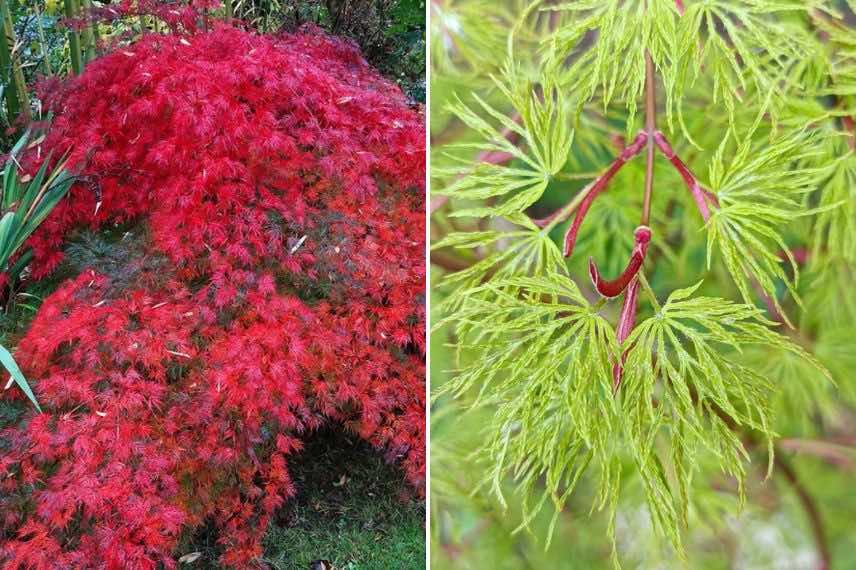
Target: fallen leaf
[[190, 557]]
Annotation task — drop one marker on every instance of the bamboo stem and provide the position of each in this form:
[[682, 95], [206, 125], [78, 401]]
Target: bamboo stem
[[43, 43], [18, 101], [88, 34], [73, 39], [12, 103]]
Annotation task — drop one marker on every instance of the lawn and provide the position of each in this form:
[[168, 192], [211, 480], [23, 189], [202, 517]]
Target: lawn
[[351, 509]]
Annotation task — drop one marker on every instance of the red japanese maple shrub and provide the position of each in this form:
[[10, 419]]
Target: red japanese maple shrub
[[278, 187]]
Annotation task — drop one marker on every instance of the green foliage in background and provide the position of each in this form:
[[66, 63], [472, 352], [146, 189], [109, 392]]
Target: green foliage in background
[[390, 33], [714, 417]]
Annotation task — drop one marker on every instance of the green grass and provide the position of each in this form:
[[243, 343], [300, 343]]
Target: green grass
[[351, 509]]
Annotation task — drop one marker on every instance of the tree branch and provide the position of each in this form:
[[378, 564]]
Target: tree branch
[[810, 507], [835, 454], [627, 319]]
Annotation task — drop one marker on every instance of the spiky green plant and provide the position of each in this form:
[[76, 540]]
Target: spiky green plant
[[710, 142], [25, 202]]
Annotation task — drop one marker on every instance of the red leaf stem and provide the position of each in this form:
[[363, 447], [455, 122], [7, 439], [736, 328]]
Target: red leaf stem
[[626, 322], [850, 125], [494, 157], [596, 186], [614, 287], [800, 255], [700, 195]]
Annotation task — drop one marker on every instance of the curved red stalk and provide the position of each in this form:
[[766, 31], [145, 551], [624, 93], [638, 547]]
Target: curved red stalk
[[494, 157], [700, 195], [850, 125], [616, 286], [573, 230], [800, 255], [597, 187], [626, 322]]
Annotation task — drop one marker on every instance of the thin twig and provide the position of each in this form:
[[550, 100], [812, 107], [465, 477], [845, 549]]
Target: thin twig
[[784, 467], [627, 319], [650, 129], [809, 505], [841, 456], [448, 262]]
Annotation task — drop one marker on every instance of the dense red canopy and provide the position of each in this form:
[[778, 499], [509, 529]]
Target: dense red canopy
[[277, 188]]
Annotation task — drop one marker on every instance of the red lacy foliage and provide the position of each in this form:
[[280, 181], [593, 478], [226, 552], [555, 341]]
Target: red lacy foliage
[[178, 15], [281, 183]]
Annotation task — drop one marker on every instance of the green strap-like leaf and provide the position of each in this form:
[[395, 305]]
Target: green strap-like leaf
[[12, 367], [7, 236]]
